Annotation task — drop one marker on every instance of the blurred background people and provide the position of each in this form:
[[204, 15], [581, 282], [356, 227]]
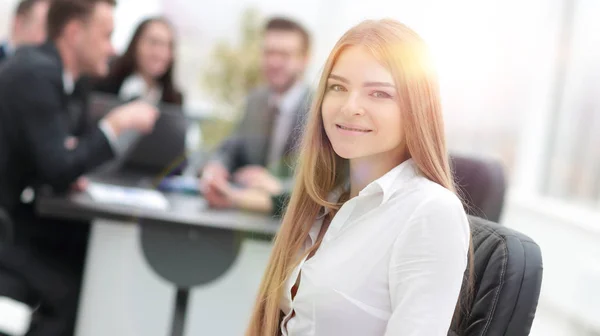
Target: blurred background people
[[28, 26], [145, 70], [45, 143], [261, 153]]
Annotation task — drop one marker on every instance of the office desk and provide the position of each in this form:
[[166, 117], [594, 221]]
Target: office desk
[[146, 268]]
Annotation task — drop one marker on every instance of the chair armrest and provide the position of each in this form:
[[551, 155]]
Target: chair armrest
[[15, 317]]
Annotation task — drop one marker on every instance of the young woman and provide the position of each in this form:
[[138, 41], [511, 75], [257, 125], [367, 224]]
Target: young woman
[[146, 69], [374, 240]]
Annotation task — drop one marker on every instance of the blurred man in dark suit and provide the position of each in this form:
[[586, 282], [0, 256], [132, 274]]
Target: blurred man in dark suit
[[45, 142], [28, 26]]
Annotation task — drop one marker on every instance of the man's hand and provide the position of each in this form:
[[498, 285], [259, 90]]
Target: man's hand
[[214, 171], [215, 197], [137, 115], [81, 183], [71, 143], [258, 177], [221, 194], [214, 174]]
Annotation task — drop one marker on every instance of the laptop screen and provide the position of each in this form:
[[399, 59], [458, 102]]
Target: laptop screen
[[160, 152]]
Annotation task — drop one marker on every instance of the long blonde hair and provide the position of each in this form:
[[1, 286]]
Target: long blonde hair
[[320, 170]]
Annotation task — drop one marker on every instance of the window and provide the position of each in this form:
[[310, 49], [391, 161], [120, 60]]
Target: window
[[574, 145]]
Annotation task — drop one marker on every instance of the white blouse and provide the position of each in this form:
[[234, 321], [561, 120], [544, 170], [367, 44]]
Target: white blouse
[[391, 263]]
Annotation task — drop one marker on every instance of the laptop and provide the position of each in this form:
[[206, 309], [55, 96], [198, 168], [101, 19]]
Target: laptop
[[157, 153]]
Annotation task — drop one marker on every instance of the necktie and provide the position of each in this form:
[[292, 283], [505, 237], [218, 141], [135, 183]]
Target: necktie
[[275, 141]]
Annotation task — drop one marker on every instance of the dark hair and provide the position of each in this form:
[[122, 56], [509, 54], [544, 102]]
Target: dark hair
[[25, 6], [285, 24], [61, 12], [125, 64]]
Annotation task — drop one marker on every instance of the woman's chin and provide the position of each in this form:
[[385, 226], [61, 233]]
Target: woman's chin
[[347, 153]]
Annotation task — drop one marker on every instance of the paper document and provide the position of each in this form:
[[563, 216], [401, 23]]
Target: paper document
[[137, 197]]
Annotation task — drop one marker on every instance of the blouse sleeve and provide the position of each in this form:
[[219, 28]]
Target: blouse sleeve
[[426, 269]]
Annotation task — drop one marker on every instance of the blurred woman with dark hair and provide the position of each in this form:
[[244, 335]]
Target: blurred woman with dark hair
[[145, 70]]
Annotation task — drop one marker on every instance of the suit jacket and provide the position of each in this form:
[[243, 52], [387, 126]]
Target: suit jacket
[[3, 52], [250, 143], [36, 116]]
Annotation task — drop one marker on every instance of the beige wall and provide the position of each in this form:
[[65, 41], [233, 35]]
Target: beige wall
[[6, 9]]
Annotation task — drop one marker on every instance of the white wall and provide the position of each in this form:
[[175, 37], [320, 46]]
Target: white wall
[[128, 14], [7, 7]]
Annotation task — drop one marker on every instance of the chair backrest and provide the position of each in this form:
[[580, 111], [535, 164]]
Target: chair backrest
[[506, 286], [481, 183], [6, 228]]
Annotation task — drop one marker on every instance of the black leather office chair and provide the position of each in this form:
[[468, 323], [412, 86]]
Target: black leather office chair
[[506, 285], [481, 183]]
